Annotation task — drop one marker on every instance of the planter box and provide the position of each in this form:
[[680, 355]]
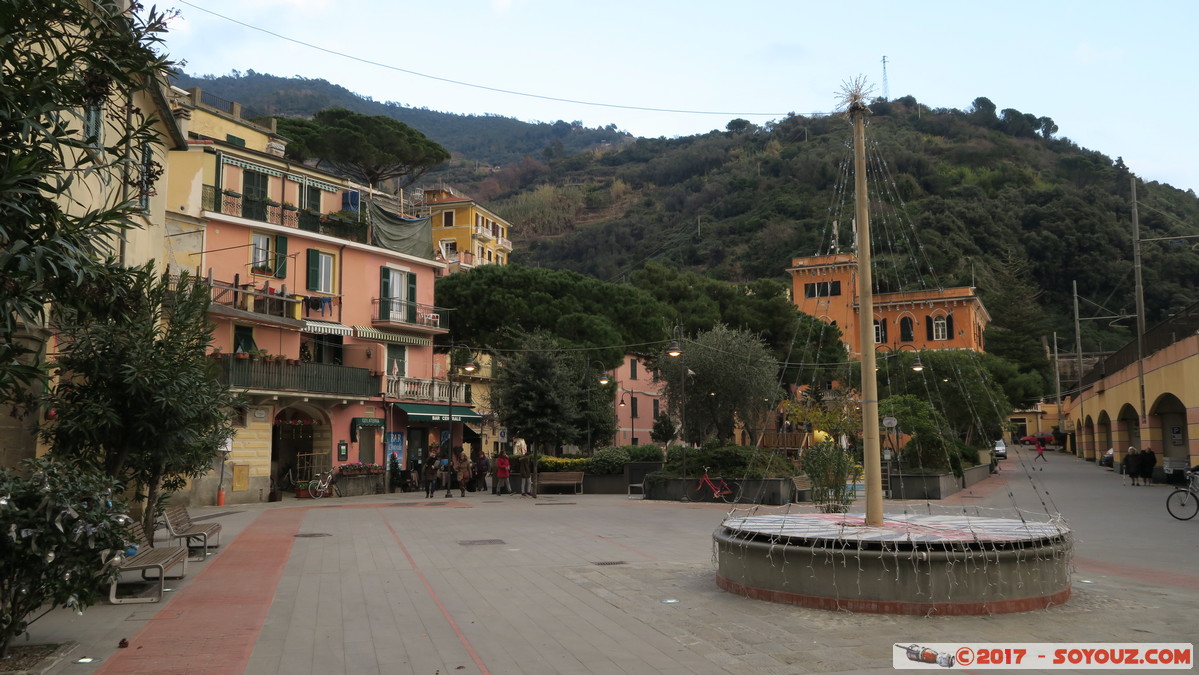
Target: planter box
[[755, 491], [919, 486], [604, 485], [358, 485], [975, 474]]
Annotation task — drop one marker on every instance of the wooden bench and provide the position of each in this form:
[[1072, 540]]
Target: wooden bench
[[148, 558], [181, 528], [573, 479]]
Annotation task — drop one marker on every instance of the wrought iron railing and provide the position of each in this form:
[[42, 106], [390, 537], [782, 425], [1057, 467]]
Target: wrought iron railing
[[395, 310], [247, 298], [320, 378]]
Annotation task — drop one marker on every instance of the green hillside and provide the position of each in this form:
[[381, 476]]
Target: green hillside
[[999, 199]]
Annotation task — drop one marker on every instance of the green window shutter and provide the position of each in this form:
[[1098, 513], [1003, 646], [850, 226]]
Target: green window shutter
[[384, 294], [410, 306], [314, 270], [928, 328], [948, 326], [280, 257]]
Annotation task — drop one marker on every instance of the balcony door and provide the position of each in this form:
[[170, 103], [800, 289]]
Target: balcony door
[[367, 438], [397, 295]]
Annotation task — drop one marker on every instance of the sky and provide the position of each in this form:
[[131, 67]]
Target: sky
[[1110, 74]]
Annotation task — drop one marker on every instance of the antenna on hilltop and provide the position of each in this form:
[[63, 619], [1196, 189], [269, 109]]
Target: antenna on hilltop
[[886, 89]]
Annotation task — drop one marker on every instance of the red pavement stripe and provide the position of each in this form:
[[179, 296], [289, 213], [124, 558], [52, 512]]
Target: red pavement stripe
[[211, 625], [437, 600], [1179, 579]]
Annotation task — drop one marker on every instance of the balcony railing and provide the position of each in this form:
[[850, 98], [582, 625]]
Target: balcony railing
[[411, 388], [483, 232], [236, 204], [320, 378], [246, 298], [503, 242], [394, 310]]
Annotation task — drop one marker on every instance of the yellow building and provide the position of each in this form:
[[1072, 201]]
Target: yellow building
[[465, 233]]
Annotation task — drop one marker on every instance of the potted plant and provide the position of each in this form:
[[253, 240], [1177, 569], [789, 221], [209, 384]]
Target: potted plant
[[216, 354], [288, 206], [302, 488]]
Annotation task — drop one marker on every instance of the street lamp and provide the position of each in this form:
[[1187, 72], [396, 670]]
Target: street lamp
[[469, 367], [603, 380], [917, 366], [674, 350]]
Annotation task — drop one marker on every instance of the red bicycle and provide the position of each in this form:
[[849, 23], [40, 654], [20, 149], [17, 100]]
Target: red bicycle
[[713, 489]]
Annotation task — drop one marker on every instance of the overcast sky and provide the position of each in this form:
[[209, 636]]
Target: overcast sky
[[1118, 78]]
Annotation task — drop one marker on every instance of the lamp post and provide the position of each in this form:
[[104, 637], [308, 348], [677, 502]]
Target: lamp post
[[469, 367], [674, 350], [918, 366], [603, 380]]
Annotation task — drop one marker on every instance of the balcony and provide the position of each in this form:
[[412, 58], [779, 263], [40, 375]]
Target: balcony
[[397, 313], [504, 243], [239, 300], [414, 389], [266, 211], [483, 233], [310, 378]]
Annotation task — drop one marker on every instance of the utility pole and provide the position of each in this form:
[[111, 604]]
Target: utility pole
[[1140, 291], [1057, 381], [1078, 348]]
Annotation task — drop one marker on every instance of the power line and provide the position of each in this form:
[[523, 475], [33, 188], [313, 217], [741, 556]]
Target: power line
[[485, 87]]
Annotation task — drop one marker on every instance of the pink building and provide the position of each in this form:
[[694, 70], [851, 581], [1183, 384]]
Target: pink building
[[639, 398]]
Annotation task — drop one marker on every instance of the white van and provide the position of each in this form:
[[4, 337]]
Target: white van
[[1000, 449]]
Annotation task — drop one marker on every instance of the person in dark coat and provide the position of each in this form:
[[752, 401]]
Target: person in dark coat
[[1131, 464], [1148, 461], [428, 474]]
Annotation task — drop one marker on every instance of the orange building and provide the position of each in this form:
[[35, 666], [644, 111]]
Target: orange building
[[826, 287]]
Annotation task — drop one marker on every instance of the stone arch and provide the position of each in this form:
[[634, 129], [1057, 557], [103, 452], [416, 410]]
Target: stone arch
[[1128, 425], [1168, 418], [300, 431], [1103, 434]]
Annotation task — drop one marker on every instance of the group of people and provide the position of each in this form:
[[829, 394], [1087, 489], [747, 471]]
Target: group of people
[[1139, 465], [471, 473]]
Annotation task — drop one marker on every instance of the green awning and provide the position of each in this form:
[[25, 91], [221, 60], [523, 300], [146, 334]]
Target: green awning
[[366, 422], [420, 412]]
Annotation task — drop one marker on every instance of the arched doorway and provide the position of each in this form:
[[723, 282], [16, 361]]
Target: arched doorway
[[1170, 416], [1129, 423], [1103, 432]]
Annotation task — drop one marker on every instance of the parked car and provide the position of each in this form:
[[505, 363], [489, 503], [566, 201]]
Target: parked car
[[1108, 457], [1000, 449]]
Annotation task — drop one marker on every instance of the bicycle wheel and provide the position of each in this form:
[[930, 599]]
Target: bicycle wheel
[[731, 492], [1182, 504], [317, 489]]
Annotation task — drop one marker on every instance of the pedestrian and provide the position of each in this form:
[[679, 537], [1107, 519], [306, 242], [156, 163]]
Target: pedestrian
[[524, 469], [1148, 461], [1040, 452], [482, 466], [461, 466], [429, 474], [1131, 464], [503, 469]]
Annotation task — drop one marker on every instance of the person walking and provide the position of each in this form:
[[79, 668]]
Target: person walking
[[1131, 464], [503, 469], [1148, 461], [460, 465], [428, 474], [1040, 452]]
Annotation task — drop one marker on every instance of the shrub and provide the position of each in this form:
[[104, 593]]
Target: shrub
[[63, 531], [831, 469], [547, 463], [644, 453], [608, 461]]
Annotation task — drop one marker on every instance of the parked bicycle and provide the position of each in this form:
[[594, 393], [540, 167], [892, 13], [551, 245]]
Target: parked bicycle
[[1183, 503], [710, 488], [322, 485]]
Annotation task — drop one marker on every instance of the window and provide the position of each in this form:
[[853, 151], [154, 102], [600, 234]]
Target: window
[[243, 339], [312, 199], [657, 407], [635, 441], [633, 407], [397, 360], [632, 369], [939, 325], [397, 295], [268, 255], [260, 254], [657, 377], [822, 289], [235, 140], [254, 193], [880, 331], [447, 219], [147, 175], [907, 330], [320, 271]]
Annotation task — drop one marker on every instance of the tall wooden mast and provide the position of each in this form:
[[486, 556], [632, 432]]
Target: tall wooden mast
[[872, 453]]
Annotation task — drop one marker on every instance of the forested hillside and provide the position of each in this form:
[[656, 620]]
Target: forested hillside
[[999, 199], [487, 139]]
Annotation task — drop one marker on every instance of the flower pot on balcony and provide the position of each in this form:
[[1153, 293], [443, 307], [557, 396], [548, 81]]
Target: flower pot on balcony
[[242, 355], [293, 362]]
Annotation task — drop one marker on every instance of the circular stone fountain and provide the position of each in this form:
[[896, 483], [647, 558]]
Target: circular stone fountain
[[912, 564]]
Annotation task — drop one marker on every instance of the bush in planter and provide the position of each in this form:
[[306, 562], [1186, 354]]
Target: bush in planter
[[545, 463], [644, 453], [608, 461], [831, 469]]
